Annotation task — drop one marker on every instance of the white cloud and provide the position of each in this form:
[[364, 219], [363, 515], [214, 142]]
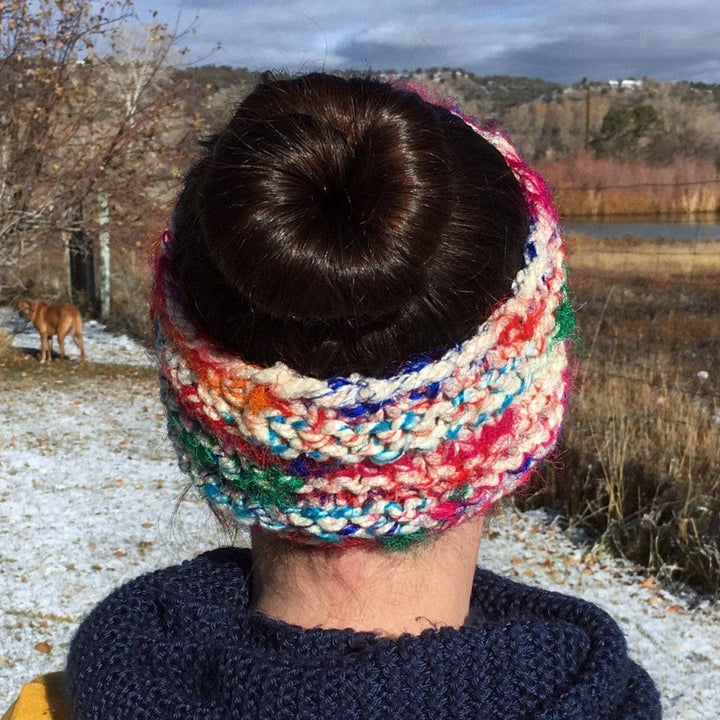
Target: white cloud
[[560, 40]]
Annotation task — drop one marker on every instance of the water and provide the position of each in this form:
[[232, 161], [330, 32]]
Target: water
[[647, 230]]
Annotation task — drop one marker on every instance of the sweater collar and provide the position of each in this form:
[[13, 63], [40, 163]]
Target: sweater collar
[[181, 642]]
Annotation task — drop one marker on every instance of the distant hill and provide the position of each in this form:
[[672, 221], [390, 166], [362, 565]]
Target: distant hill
[[642, 120], [502, 91], [497, 92]]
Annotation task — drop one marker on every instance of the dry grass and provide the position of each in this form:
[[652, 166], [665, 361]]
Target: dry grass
[[641, 467], [640, 459], [594, 187], [130, 303], [7, 352], [645, 258], [24, 371]]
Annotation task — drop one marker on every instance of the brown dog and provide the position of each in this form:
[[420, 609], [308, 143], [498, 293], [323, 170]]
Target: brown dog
[[52, 320]]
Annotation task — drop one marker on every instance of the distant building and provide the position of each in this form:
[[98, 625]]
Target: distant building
[[628, 83]]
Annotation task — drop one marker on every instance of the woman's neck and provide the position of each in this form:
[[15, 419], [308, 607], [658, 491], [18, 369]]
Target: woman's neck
[[367, 589]]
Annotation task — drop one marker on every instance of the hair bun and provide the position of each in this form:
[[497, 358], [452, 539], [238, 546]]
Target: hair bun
[[328, 210]]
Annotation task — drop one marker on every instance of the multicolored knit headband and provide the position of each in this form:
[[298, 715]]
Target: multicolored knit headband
[[391, 459]]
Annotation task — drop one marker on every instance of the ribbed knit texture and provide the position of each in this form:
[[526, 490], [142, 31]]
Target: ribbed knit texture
[[358, 458], [181, 643]]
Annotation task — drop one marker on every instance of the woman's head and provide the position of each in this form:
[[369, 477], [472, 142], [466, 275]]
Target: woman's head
[[347, 226], [361, 314]]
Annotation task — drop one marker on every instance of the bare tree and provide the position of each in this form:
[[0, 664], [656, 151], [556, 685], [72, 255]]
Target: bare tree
[[85, 99], [39, 44]]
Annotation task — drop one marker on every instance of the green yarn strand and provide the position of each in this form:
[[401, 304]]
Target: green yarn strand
[[565, 326], [201, 454], [267, 485], [263, 485], [564, 321], [402, 542]]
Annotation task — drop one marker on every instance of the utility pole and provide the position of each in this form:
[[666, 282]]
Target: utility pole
[[587, 117]]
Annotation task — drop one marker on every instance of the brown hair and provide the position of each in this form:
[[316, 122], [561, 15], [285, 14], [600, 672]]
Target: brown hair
[[344, 225]]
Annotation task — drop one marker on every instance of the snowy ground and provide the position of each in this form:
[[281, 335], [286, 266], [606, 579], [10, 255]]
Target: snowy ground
[[90, 496]]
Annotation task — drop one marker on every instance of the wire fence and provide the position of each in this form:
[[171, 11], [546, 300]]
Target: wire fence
[[641, 451], [634, 185], [640, 301]]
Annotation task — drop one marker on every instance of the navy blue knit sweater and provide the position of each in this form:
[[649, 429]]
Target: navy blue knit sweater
[[181, 643]]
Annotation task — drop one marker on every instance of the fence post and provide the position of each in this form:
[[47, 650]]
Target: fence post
[[104, 269]]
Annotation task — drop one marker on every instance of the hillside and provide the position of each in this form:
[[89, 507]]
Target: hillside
[[641, 120]]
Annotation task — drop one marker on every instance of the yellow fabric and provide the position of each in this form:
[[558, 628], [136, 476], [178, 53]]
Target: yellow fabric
[[41, 699]]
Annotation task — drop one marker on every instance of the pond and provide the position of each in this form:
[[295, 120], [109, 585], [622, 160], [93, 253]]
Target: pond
[[648, 229]]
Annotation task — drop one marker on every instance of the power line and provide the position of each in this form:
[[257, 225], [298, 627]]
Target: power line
[[685, 183], [650, 383], [665, 254]]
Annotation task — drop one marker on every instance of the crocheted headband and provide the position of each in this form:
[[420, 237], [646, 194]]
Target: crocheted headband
[[391, 458]]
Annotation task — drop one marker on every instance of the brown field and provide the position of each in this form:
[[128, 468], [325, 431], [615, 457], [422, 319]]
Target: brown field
[[640, 458], [589, 186], [622, 257]]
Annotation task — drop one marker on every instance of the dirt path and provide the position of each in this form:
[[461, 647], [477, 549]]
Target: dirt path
[[90, 496]]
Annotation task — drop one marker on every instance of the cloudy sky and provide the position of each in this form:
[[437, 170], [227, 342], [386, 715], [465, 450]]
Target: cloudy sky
[[559, 40]]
